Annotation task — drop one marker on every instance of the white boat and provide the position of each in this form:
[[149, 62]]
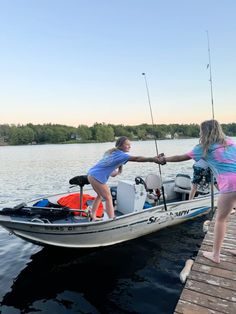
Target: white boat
[[139, 210]]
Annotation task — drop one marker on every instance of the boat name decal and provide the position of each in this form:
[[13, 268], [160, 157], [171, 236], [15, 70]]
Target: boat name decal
[[167, 216], [180, 213]]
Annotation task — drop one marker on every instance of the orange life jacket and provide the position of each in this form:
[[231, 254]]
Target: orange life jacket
[[73, 201]]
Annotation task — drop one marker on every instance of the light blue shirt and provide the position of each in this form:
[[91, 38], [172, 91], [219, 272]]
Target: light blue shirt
[[103, 169]]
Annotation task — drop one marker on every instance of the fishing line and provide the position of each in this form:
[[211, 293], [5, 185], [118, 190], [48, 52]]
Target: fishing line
[[150, 107]]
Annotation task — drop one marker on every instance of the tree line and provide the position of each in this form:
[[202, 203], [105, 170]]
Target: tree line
[[99, 132]]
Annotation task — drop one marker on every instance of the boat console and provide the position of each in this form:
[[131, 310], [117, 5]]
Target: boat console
[[130, 196]]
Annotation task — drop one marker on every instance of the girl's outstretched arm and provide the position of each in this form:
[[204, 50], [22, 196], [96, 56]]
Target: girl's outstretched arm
[[144, 159], [177, 158]]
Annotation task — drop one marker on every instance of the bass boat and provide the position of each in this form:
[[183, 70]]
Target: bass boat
[[142, 206]]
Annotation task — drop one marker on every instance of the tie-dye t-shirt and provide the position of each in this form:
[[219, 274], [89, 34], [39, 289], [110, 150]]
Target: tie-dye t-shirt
[[222, 161]]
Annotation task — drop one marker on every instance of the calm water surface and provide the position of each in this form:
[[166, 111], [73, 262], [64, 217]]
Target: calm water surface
[[139, 276]]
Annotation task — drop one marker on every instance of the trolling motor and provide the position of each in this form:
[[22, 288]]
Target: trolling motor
[[81, 181]]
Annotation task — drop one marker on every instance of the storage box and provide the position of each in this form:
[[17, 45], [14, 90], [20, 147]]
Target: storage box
[[130, 196]]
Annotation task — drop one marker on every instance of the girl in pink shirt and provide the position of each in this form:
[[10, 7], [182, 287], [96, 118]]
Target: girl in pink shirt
[[219, 152]]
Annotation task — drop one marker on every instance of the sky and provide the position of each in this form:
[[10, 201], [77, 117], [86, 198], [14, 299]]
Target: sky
[[76, 62]]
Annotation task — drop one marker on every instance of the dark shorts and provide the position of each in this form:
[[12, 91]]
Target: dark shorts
[[201, 175]]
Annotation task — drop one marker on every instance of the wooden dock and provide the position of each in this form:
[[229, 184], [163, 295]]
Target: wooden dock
[[211, 287]]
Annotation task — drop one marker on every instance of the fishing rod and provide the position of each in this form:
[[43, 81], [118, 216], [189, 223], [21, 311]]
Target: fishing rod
[[213, 114], [150, 107], [210, 79]]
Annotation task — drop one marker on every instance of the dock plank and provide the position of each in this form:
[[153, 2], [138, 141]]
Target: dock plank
[[184, 307], [206, 303], [210, 287]]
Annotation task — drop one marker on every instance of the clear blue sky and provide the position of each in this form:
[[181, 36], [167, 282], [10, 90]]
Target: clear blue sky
[[80, 61]]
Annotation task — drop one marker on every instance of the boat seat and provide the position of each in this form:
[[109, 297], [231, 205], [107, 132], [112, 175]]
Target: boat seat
[[81, 181], [153, 187], [182, 185]]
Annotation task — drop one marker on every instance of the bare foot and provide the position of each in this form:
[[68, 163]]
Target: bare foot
[[211, 257], [232, 252]]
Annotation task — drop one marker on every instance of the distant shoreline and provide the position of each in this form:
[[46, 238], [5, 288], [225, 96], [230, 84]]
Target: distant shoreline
[[99, 133], [94, 142]]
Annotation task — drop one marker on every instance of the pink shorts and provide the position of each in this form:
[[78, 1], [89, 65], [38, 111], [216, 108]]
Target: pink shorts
[[227, 182]]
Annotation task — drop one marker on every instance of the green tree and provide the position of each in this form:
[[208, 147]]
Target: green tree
[[103, 132], [21, 135], [141, 133], [84, 132]]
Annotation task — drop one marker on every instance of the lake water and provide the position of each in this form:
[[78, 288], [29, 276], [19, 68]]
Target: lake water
[[139, 276]]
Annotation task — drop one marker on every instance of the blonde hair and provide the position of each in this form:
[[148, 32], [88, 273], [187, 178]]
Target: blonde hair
[[120, 141], [210, 133]]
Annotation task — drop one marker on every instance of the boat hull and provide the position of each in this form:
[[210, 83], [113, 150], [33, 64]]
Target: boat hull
[[84, 234]]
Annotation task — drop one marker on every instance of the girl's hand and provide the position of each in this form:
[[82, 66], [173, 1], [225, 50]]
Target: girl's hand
[[115, 173], [161, 159]]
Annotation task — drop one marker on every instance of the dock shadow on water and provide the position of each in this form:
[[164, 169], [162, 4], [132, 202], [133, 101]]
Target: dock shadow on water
[[139, 276]]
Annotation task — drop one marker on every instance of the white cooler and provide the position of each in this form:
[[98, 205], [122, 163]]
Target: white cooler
[[130, 196]]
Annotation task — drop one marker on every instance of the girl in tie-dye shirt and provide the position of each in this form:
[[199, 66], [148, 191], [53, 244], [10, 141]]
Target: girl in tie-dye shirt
[[221, 159], [219, 152]]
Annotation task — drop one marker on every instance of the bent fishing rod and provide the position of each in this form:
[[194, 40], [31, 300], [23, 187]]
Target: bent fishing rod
[[213, 114], [159, 166], [210, 79]]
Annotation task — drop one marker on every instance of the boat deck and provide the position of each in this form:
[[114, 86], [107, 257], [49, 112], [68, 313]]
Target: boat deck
[[210, 287]]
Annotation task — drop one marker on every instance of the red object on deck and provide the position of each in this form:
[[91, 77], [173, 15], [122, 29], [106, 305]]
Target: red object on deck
[[73, 201]]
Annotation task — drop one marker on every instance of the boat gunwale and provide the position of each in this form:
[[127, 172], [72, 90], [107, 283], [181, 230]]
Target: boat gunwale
[[159, 208]]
